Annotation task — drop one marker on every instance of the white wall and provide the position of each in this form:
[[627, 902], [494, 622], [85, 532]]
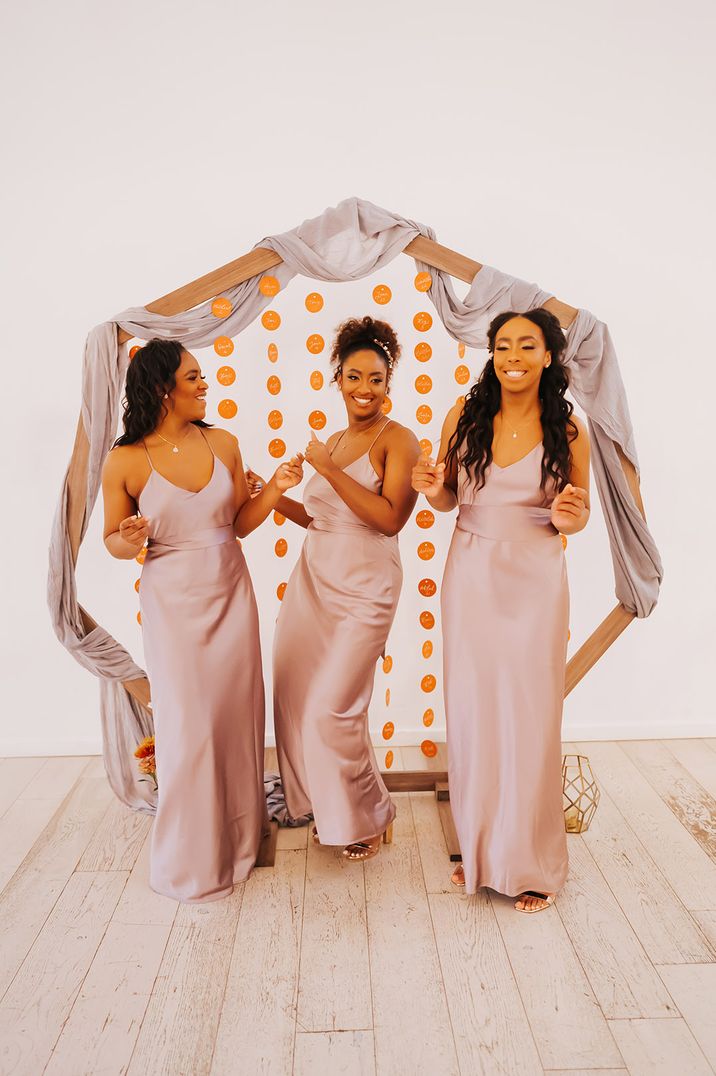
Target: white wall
[[563, 143]]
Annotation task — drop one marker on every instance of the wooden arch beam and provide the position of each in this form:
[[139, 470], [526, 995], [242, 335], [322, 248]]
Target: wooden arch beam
[[261, 260]]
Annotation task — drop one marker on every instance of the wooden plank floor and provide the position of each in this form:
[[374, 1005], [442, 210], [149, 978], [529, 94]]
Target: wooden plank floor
[[319, 966]]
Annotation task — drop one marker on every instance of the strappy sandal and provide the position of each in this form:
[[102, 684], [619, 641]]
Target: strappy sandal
[[548, 899], [364, 850], [314, 835]]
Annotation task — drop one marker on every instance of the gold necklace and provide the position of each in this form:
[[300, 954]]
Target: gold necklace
[[509, 427], [175, 448]]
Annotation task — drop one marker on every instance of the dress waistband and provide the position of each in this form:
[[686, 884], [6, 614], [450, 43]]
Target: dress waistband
[[344, 528], [508, 523], [199, 540]]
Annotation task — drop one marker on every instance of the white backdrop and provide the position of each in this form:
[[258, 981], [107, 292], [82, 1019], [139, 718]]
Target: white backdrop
[[563, 145]]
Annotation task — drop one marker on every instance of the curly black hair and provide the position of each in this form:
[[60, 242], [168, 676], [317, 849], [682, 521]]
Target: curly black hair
[[151, 373], [471, 444], [357, 334]]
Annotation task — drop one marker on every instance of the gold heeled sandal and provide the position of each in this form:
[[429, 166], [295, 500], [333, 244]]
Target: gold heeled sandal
[[366, 850], [548, 899]]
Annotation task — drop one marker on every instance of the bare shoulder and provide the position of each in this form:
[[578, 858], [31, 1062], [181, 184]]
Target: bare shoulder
[[581, 433], [400, 437], [122, 460], [220, 438]]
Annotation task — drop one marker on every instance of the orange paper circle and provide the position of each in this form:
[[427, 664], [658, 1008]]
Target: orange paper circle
[[423, 384], [426, 550], [278, 519], [382, 294], [314, 302], [423, 351], [316, 420], [426, 445], [461, 350], [316, 380], [281, 547], [387, 696], [427, 649], [388, 730], [387, 663], [139, 619], [388, 759], [133, 350], [428, 682], [423, 282], [275, 420], [280, 591], [273, 385], [425, 519], [226, 375], [427, 587], [315, 343], [221, 308], [141, 555], [223, 346], [564, 540], [269, 286], [227, 408], [277, 448], [424, 414], [270, 320], [462, 375], [136, 585], [428, 717], [272, 352], [427, 620], [387, 405], [428, 748], [422, 321]]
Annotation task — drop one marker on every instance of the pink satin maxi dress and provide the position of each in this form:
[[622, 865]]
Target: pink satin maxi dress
[[333, 625], [201, 645], [505, 618]]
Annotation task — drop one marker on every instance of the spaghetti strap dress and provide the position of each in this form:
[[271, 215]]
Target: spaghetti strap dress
[[505, 621], [332, 627], [201, 645]]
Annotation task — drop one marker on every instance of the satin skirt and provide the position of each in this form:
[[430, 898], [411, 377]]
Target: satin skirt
[[505, 619], [203, 657], [332, 628]]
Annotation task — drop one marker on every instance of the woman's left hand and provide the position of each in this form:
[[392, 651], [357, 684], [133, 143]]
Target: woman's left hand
[[318, 456], [289, 474], [568, 508]]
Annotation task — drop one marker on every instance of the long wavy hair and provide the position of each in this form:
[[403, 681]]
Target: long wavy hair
[[471, 444], [151, 373]]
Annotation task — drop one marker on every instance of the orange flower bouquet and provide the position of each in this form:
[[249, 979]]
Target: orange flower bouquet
[[147, 761]]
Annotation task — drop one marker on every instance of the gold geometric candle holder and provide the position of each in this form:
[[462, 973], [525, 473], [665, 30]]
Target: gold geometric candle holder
[[580, 793]]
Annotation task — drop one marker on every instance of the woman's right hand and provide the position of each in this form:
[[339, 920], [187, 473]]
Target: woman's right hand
[[134, 530], [428, 477]]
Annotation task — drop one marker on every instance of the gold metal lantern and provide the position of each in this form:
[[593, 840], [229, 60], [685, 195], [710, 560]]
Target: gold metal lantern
[[579, 791]]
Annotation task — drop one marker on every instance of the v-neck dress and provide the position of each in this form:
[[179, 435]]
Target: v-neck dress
[[201, 646], [332, 627], [505, 621]]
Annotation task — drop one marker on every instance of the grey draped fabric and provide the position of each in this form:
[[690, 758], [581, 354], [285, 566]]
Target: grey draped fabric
[[346, 242]]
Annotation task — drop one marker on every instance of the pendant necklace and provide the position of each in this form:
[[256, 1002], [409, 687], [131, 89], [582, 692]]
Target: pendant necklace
[[175, 448]]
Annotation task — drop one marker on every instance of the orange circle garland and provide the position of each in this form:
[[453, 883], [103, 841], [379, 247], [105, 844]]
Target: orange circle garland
[[387, 405], [315, 343], [223, 346], [273, 385], [221, 308], [275, 420], [133, 350], [427, 620], [388, 730], [426, 550], [316, 420], [281, 547], [278, 519], [428, 718], [422, 321], [382, 294], [314, 302], [423, 384], [427, 650], [426, 445], [428, 748], [428, 683], [387, 696], [462, 375], [423, 351], [272, 353], [387, 663], [425, 519], [277, 448], [226, 375], [227, 409], [269, 286], [270, 320], [423, 282], [280, 591], [388, 759], [424, 414], [427, 587], [136, 585], [316, 380], [461, 350]]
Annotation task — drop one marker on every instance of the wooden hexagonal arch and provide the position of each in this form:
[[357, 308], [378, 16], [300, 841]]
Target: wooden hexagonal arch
[[257, 262]]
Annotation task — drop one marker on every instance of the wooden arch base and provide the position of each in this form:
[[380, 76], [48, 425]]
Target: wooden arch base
[[259, 261]]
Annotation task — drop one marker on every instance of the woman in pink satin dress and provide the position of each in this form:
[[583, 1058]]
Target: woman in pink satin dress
[[516, 464], [199, 620], [341, 599]]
